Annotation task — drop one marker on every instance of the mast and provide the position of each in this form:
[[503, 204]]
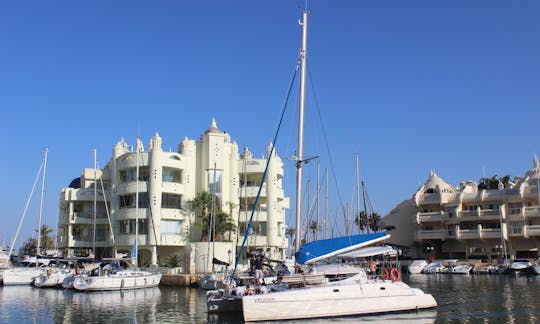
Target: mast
[[326, 203], [317, 199], [303, 54], [95, 204], [41, 202], [358, 195], [136, 248]]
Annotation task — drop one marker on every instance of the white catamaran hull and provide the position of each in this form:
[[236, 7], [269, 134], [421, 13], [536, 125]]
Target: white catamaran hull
[[336, 300], [120, 281]]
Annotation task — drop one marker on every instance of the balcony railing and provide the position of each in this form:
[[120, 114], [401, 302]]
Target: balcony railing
[[490, 233], [531, 230], [431, 217], [172, 239], [468, 234], [431, 234], [531, 211]]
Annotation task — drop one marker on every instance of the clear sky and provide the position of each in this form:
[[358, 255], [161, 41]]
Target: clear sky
[[411, 86]]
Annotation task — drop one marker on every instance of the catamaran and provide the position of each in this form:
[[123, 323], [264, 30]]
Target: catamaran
[[354, 295]]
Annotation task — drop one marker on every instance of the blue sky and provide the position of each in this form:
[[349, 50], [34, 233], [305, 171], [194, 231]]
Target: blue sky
[[411, 86]]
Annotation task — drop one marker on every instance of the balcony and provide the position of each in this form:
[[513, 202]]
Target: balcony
[[431, 217], [87, 241], [173, 239], [128, 239], [257, 240], [531, 230], [490, 233], [468, 234], [531, 212], [469, 214], [259, 216], [490, 214], [88, 218], [252, 191], [430, 235]]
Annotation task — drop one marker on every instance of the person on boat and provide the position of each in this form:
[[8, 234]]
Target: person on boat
[[250, 290], [258, 268], [298, 269], [372, 269], [311, 269], [264, 289], [239, 291]]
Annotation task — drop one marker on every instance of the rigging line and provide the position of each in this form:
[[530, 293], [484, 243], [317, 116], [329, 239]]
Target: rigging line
[[25, 210], [274, 141], [325, 137]]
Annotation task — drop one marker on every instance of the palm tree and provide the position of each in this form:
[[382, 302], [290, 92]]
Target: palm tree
[[47, 240], [173, 261], [313, 227], [361, 220], [223, 224], [200, 205], [374, 220]]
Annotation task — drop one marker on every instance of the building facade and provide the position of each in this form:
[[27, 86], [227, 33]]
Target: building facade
[[145, 195], [446, 222]]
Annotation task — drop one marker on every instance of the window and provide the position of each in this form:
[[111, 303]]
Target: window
[[130, 174], [172, 175], [127, 226], [514, 208], [171, 201], [516, 227], [128, 201], [171, 227]]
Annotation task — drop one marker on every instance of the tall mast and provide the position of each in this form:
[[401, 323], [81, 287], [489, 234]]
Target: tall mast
[[138, 155], [317, 199], [358, 195], [303, 54], [41, 202], [95, 204], [326, 203]]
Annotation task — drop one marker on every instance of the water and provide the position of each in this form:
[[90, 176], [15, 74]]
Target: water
[[461, 299]]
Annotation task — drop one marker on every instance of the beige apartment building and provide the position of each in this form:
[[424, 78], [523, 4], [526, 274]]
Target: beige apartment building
[[447, 222], [107, 208]]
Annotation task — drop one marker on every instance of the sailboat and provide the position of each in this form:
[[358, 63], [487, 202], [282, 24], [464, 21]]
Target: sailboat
[[25, 276], [355, 295], [115, 274]]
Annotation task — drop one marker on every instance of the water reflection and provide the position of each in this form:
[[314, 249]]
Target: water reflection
[[462, 299]]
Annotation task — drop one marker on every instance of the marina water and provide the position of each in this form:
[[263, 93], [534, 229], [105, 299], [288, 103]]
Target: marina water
[[461, 299]]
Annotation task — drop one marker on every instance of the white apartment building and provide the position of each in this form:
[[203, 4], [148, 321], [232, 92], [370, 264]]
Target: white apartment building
[[99, 213], [447, 222]]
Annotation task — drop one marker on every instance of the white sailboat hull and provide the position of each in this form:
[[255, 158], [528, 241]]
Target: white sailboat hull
[[52, 278], [121, 280], [368, 297], [22, 276]]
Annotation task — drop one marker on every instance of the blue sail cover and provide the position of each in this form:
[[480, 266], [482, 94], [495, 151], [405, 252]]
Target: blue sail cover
[[321, 249]]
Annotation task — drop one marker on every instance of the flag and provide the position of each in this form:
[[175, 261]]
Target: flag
[[134, 250]]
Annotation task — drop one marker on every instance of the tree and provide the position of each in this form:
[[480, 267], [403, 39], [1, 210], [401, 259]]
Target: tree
[[200, 205], [361, 220], [29, 247], [173, 261], [223, 224], [47, 240], [314, 227], [374, 220]]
